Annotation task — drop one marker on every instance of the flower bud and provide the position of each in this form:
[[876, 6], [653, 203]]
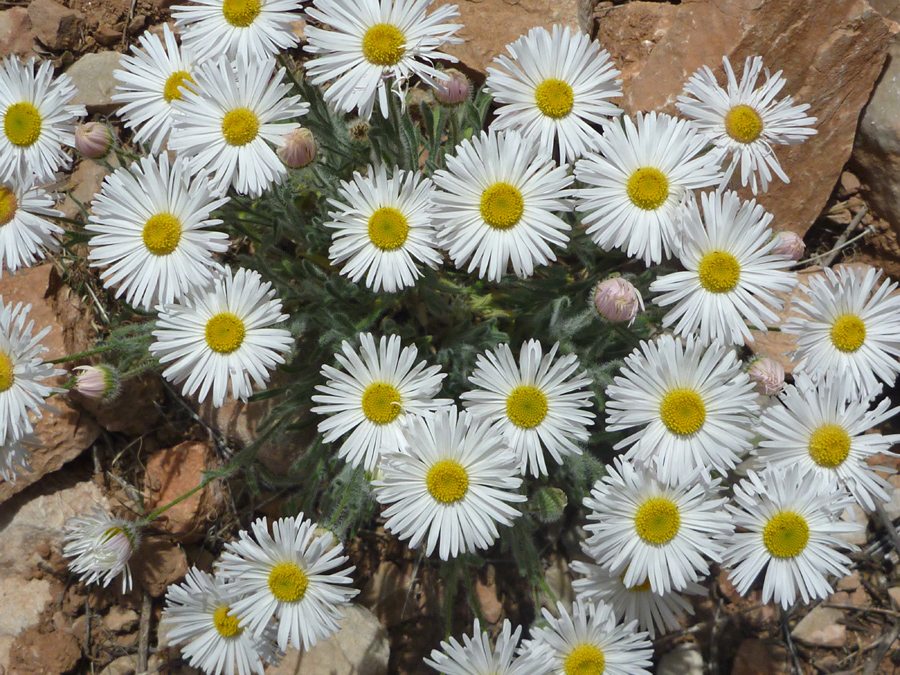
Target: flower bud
[[617, 300], [452, 92], [767, 376], [299, 148], [359, 130], [789, 244], [94, 140], [548, 504], [98, 382]]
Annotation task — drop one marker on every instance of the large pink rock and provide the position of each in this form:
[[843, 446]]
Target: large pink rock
[[831, 51], [16, 35]]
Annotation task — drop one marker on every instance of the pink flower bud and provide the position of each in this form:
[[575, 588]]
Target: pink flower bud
[[94, 140], [789, 244], [767, 376], [617, 300], [98, 382], [299, 148], [452, 92]]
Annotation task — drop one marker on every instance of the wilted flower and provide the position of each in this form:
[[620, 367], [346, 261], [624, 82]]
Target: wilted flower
[[94, 140], [454, 91], [789, 244], [767, 376], [98, 382], [102, 546], [299, 148], [617, 300]]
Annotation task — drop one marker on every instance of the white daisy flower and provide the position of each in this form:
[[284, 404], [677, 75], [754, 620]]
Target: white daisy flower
[[101, 547], [37, 120], [382, 226], [453, 483], [14, 456], [537, 405], [848, 326], [555, 87], [22, 371], [745, 120], [248, 29], [222, 334], [373, 45], [654, 532], [692, 402], [589, 640], [197, 612], [476, 657], [230, 118], [151, 225], [732, 276], [653, 611], [819, 430], [373, 400], [292, 576], [787, 521], [24, 228], [642, 175], [148, 82], [496, 202]]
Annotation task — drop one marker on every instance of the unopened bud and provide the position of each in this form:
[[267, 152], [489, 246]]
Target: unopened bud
[[454, 91], [98, 382], [299, 148], [94, 140], [617, 300], [359, 130], [548, 504], [789, 244], [767, 376]]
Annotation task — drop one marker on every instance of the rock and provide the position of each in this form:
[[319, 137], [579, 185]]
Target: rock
[[83, 184], [685, 659], [889, 9], [64, 432], [831, 53], [491, 609], [894, 594], [848, 186], [127, 665], [849, 583], [22, 603], [121, 620], [359, 648], [44, 653], [55, 25], [388, 594], [892, 508], [157, 564], [135, 411], [93, 77], [489, 26], [107, 35], [857, 537], [559, 579], [173, 472], [16, 34], [820, 628], [753, 658]]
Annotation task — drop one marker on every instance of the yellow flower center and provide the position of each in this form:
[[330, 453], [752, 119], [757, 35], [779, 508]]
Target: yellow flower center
[[743, 124], [642, 587], [719, 272], [239, 126], [161, 234], [241, 13], [388, 228], [502, 206], [7, 372], [382, 45], [526, 406], [226, 625], [848, 333], [288, 582], [447, 481], [554, 98], [8, 205], [224, 333], [657, 520], [829, 445], [381, 403], [585, 659], [648, 188], [682, 411], [22, 124], [786, 534], [178, 79]]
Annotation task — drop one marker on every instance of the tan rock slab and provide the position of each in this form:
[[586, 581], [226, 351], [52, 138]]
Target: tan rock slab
[[93, 77], [16, 34], [56, 25], [820, 628]]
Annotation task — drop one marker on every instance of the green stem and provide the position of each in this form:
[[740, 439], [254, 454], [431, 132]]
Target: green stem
[[454, 128], [83, 355], [344, 498]]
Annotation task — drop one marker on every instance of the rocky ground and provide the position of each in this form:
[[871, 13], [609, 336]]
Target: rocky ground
[[150, 446]]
